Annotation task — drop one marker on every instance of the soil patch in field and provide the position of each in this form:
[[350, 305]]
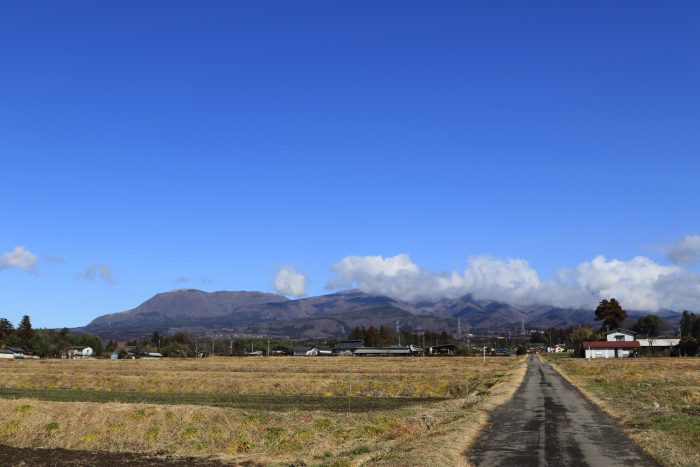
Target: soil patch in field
[[238, 401], [24, 457]]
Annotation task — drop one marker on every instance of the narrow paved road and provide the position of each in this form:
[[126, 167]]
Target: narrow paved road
[[550, 423]]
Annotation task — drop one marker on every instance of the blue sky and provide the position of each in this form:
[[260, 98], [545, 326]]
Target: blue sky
[[221, 142]]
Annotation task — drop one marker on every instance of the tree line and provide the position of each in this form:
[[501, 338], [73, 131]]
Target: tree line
[[385, 336], [43, 342]]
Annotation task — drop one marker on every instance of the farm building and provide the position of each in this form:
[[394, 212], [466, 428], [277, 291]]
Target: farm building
[[619, 343], [444, 349], [319, 351], [281, 351], [348, 346], [610, 349], [651, 346], [409, 351], [152, 356], [78, 352], [18, 352], [7, 354], [108, 355]]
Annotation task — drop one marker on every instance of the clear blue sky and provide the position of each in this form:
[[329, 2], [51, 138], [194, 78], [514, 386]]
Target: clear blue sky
[[218, 141]]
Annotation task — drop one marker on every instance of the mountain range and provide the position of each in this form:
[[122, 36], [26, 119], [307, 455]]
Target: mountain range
[[333, 315]]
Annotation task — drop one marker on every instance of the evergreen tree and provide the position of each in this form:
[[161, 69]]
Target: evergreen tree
[[649, 325], [687, 323], [372, 339], [24, 330], [6, 328], [611, 313]]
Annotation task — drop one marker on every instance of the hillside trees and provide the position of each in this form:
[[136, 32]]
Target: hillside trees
[[612, 315], [43, 342]]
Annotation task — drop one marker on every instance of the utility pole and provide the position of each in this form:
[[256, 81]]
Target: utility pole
[[213, 352], [398, 331], [268, 346], [231, 352], [459, 328], [196, 350]]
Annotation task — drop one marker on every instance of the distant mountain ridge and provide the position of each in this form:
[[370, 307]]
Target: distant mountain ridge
[[324, 316]]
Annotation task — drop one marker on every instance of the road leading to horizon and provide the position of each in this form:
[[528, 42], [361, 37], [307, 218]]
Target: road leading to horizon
[[550, 423]]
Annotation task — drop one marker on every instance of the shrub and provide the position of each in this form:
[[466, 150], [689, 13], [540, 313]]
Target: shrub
[[51, 428], [23, 409]]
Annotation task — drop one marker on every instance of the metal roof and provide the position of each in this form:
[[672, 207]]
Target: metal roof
[[610, 344]]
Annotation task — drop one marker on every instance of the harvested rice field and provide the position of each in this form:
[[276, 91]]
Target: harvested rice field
[[259, 411]]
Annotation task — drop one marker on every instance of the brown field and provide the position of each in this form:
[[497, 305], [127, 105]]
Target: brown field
[[419, 430], [656, 400]]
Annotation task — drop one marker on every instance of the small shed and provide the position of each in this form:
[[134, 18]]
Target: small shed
[[7, 354]]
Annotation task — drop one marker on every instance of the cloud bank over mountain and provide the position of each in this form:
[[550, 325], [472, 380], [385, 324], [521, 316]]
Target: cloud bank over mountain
[[290, 282], [640, 283]]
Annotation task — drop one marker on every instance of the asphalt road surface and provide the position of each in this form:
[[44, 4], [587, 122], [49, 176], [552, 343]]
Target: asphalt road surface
[[549, 423]]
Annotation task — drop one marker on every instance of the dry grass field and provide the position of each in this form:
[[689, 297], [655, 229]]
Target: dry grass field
[[322, 411], [657, 400]]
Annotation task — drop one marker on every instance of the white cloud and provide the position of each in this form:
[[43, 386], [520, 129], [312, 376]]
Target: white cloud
[[639, 283], [686, 251], [290, 282], [93, 272], [19, 258], [635, 281], [182, 280]]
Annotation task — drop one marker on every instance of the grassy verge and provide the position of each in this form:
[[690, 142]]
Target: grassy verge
[[656, 400]]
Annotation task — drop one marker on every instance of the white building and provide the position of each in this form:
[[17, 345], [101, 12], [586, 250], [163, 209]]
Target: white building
[[658, 342], [619, 343], [79, 352]]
